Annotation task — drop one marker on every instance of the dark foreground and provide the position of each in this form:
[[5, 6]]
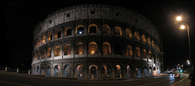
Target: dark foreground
[[14, 79]]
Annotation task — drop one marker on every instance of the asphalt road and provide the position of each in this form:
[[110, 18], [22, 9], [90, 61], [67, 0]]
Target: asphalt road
[[14, 79]]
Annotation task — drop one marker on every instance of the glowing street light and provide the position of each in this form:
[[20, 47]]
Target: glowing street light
[[178, 18], [186, 26], [182, 27]]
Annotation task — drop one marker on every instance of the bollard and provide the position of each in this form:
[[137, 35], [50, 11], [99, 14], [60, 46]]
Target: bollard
[[28, 72], [6, 69], [17, 70]]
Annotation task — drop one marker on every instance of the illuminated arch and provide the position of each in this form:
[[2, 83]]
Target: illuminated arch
[[136, 35], [149, 41], [80, 72], [118, 71], [79, 29], [144, 53], [92, 48], [42, 54], [92, 28], [67, 71], [143, 38], [43, 39], [67, 49], [48, 52], [137, 52], [49, 38], [93, 71], [128, 33], [68, 31], [118, 30], [149, 54], [80, 48], [58, 34], [56, 71], [129, 50], [57, 51], [152, 43], [105, 29], [106, 48]]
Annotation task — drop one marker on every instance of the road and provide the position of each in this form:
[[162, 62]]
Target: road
[[14, 79]]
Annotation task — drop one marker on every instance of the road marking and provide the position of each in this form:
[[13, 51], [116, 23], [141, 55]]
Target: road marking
[[153, 83], [15, 83], [178, 81]]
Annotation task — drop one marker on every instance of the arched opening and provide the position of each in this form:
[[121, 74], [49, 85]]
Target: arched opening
[[149, 41], [137, 52], [48, 71], [42, 71], [118, 71], [93, 72], [80, 72], [149, 54], [67, 49], [93, 48], [150, 71], [105, 29], [118, 49], [128, 33], [106, 72], [129, 50], [39, 42], [145, 71], [67, 71], [56, 71], [80, 48], [48, 52], [67, 31], [49, 38], [35, 57], [92, 28], [136, 36], [42, 54], [118, 31], [57, 51], [58, 34], [38, 55], [143, 38], [129, 72], [34, 70], [154, 71], [79, 29], [38, 70], [152, 43], [138, 72], [144, 53], [43, 39], [106, 48]]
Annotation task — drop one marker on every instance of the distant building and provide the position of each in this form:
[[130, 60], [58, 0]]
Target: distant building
[[97, 42]]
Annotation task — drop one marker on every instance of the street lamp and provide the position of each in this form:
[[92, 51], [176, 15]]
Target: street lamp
[[178, 18], [182, 27], [185, 26]]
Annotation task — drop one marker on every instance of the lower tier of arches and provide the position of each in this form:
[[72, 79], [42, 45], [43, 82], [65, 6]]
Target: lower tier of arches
[[97, 71]]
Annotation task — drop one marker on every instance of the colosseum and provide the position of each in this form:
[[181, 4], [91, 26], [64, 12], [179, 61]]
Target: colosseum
[[95, 41]]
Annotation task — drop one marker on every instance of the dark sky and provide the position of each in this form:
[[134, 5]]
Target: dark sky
[[20, 17]]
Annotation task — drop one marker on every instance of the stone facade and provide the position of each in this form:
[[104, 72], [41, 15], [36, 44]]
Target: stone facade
[[96, 42]]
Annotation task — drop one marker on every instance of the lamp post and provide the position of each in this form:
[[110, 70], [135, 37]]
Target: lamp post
[[185, 26]]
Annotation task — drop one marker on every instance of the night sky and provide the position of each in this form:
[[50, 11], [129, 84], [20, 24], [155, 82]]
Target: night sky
[[20, 18]]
